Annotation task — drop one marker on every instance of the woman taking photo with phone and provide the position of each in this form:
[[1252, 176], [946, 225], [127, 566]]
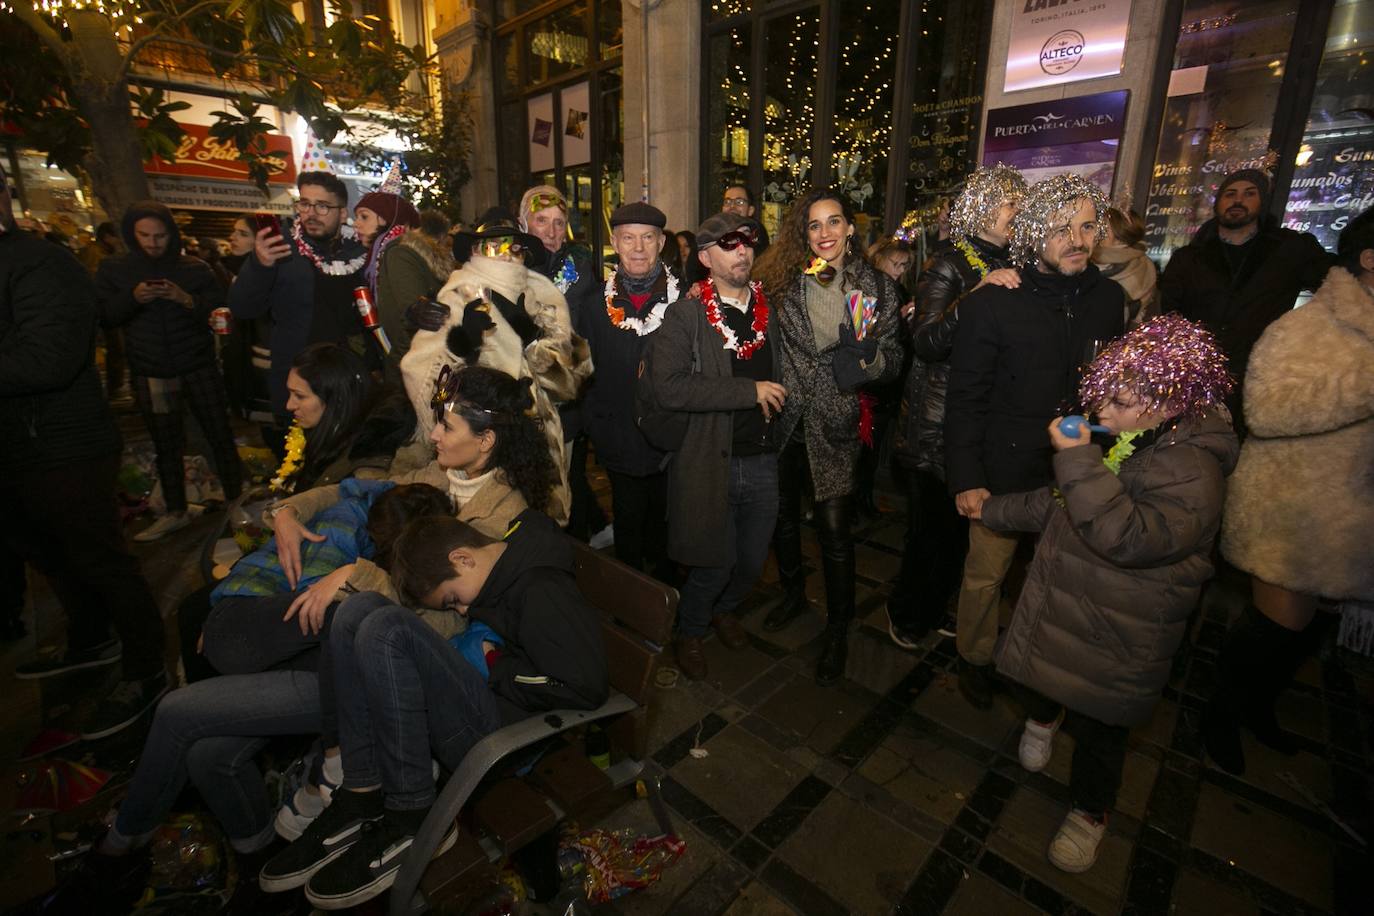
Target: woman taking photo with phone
[[163, 299], [815, 274]]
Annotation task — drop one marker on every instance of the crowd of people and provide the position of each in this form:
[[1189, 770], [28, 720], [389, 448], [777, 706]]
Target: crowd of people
[[417, 592]]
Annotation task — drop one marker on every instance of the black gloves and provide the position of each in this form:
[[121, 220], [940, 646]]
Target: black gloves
[[465, 340], [427, 314], [846, 358], [516, 316]]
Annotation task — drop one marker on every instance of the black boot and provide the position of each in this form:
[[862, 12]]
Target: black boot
[[837, 560], [793, 601], [1256, 663]]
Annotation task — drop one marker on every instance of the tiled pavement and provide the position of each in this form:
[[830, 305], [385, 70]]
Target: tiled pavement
[[887, 793]]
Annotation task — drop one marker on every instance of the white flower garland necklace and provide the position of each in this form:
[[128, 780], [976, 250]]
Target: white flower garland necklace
[[332, 268], [650, 322]]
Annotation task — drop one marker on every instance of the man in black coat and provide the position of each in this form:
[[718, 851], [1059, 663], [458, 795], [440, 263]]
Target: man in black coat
[[617, 328], [1241, 271], [1018, 352], [59, 454], [163, 299], [936, 534]]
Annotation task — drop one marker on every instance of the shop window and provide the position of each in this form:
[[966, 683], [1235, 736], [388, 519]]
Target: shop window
[[557, 43], [1333, 177], [946, 107], [727, 107], [716, 10], [1228, 69], [866, 70], [789, 112], [610, 28]]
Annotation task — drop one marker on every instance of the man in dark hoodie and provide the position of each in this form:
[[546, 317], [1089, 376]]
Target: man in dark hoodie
[[1241, 272], [405, 693], [59, 453], [306, 282], [1017, 354], [163, 300]]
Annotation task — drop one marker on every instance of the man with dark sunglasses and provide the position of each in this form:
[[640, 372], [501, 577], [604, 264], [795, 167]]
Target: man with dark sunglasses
[[713, 359]]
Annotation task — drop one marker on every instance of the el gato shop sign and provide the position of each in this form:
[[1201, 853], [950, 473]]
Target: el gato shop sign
[[1063, 41], [203, 156]]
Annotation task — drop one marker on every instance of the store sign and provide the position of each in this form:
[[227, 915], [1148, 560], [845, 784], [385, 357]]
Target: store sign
[[1079, 135], [1062, 41], [202, 156], [205, 194]]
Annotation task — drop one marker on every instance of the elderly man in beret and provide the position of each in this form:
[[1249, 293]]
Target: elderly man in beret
[[630, 310]]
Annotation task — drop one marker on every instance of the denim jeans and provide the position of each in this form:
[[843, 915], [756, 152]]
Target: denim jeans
[[209, 732], [403, 693], [751, 511]]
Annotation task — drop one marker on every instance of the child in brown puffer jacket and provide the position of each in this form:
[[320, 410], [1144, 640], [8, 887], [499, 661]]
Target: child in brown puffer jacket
[[1124, 554]]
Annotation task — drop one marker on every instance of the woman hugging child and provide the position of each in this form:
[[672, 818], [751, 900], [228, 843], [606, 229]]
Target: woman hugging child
[[1123, 555]]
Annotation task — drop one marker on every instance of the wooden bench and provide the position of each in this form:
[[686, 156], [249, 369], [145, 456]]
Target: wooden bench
[[637, 622]]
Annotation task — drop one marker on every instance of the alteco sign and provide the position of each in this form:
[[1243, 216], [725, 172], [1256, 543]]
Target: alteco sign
[[1061, 41], [202, 156]]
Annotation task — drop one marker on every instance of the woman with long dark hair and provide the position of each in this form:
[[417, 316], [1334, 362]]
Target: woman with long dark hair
[[328, 394], [816, 277]]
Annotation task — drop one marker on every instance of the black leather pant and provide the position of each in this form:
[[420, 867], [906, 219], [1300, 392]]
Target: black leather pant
[[833, 523]]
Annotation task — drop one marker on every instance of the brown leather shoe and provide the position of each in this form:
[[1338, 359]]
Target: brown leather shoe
[[731, 633], [690, 659]]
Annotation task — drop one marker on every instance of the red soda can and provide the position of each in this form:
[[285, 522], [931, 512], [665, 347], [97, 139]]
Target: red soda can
[[362, 298], [222, 321]]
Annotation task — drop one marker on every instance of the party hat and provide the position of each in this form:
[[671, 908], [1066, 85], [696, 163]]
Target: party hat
[[392, 183], [314, 159]]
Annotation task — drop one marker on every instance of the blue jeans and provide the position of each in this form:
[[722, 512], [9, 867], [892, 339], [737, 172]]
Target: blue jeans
[[403, 692], [752, 511], [209, 732]]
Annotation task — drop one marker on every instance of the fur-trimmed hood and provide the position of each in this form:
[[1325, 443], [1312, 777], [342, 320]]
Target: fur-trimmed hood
[[436, 253]]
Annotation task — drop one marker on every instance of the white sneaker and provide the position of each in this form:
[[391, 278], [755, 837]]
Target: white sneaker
[[603, 538], [173, 521], [1074, 847], [1037, 743]]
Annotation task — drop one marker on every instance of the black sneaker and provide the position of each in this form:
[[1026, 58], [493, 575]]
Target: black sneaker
[[336, 829], [119, 710], [907, 637], [369, 866], [107, 653]]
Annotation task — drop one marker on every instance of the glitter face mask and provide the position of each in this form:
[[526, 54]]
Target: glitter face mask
[[975, 209]]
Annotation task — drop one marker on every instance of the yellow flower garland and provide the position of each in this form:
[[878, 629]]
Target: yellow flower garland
[[972, 256], [295, 454]]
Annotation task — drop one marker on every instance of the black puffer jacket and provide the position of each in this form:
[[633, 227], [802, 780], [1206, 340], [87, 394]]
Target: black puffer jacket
[[946, 278], [52, 408], [1199, 284], [1015, 365], [553, 655], [163, 338]]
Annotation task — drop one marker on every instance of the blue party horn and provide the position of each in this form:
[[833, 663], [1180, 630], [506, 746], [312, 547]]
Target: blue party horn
[[1072, 425]]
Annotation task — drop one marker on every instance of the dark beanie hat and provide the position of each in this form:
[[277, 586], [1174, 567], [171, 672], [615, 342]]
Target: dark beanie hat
[[1254, 176], [638, 213]]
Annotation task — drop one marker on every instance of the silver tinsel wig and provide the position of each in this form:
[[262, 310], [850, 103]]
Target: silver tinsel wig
[[975, 209], [1048, 205]]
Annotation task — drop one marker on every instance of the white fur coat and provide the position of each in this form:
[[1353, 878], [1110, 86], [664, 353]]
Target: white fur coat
[[557, 360], [1300, 509]]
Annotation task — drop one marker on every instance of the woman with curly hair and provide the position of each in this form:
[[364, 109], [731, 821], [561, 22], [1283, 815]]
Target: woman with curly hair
[[813, 272]]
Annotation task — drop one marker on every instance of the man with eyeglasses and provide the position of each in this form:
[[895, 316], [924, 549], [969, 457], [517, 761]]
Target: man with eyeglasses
[[630, 310], [739, 200], [1019, 348], [305, 281], [713, 359]]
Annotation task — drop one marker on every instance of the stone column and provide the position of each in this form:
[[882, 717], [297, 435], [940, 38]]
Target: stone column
[[674, 62], [1144, 35], [462, 35]]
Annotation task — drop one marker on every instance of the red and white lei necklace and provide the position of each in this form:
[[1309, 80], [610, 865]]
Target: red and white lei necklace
[[650, 322], [717, 318], [332, 268]]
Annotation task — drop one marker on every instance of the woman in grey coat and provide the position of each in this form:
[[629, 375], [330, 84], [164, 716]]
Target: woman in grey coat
[[1123, 556], [811, 272]]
